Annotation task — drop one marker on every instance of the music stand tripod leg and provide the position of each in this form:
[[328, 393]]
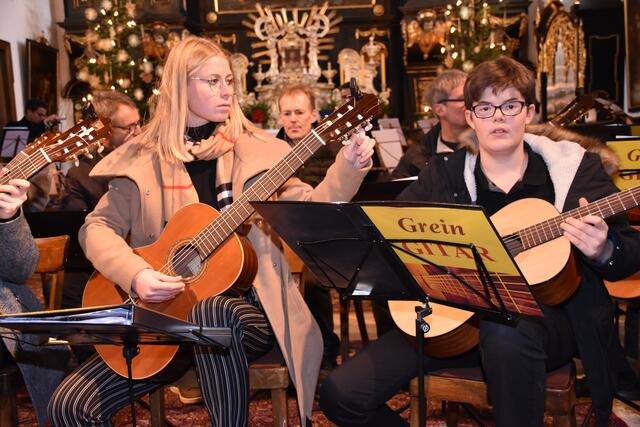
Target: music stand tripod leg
[[129, 351], [422, 327]]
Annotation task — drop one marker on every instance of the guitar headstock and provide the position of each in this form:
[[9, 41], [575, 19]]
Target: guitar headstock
[[79, 140], [350, 116], [574, 110]]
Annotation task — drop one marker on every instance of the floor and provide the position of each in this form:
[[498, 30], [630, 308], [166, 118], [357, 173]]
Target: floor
[[260, 407]]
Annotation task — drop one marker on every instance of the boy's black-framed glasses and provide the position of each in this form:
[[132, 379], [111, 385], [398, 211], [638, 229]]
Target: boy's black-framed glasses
[[509, 108]]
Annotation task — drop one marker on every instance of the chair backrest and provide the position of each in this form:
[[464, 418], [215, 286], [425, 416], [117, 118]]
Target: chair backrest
[[53, 256]]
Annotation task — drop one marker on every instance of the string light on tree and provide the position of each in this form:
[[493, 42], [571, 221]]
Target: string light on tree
[[113, 56], [477, 33]]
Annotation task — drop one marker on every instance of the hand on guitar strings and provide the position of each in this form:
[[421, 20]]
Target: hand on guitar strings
[[153, 286], [589, 235], [359, 150], [12, 196]]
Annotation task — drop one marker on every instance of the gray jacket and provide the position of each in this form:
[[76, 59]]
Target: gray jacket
[[42, 368]]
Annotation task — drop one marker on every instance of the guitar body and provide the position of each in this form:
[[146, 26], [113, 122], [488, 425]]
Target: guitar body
[[550, 268], [453, 331], [230, 269]]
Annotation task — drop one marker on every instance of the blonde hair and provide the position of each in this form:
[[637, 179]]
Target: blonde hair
[[165, 131], [106, 102]]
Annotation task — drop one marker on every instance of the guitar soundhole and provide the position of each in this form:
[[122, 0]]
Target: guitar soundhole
[[186, 262]]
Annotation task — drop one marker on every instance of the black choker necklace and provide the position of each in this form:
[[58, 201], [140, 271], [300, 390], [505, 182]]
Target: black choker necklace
[[198, 133]]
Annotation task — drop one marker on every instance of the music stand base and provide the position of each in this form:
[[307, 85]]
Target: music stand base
[[422, 327], [129, 351]]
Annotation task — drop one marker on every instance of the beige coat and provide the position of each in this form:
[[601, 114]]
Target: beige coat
[[133, 206]]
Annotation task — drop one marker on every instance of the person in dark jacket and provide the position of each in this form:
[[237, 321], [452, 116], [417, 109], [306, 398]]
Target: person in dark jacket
[[444, 96], [83, 191], [504, 164], [298, 115], [42, 367]]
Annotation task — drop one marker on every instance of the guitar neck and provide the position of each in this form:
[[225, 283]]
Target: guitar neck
[[223, 226], [24, 166], [607, 207]]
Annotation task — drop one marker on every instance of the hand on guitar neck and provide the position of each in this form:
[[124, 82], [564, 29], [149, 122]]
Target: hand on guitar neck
[[589, 235], [12, 196], [359, 150], [153, 287]]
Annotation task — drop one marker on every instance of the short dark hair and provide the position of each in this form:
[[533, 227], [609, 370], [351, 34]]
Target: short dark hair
[[34, 104], [499, 74]]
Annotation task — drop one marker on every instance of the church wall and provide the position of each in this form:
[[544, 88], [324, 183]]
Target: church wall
[[29, 19]]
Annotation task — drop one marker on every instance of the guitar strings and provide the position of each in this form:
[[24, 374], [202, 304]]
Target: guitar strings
[[533, 234], [242, 202]]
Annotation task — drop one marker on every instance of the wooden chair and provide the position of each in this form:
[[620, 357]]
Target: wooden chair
[[466, 385], [9, 378], [53, 256]]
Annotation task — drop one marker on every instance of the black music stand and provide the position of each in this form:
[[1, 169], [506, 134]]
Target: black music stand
[[128, 325], [13, 140], [353, 248]]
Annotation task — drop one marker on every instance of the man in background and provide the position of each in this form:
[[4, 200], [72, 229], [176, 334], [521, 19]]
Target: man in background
[[83, 191], [445, 97], [37, 121], [298, 115]]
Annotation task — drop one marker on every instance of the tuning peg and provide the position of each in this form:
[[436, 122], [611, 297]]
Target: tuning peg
[[89, 155], [75, 160], [345, 140], [368, 126], [100, 148]]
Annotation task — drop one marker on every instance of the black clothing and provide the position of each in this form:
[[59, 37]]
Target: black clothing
[[318, 297], [418, 154], [203, 177], [314, 169], [593, 327], [514, 359], [35, 129], [535, 183], [199, 133], [83, 191]]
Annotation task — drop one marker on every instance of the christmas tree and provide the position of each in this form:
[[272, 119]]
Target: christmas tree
[[113, 57], [476, 34]]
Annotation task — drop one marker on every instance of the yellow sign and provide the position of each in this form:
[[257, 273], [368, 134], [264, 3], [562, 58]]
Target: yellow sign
[[425, 238], [454, 225], [628, 152]]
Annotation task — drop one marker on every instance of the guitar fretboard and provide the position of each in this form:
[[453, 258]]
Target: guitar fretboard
[[24, 166], [216, 232], [604, 208]]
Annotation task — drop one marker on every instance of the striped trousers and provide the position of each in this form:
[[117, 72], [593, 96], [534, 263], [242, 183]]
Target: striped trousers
[[93, 393]]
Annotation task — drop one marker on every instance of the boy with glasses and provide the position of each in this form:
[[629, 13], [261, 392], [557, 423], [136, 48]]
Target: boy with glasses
[[502, 165], [444, 96]]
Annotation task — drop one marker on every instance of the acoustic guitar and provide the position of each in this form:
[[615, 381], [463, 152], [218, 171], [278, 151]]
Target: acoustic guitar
[[530, 230], [200, 244], [51, 147]]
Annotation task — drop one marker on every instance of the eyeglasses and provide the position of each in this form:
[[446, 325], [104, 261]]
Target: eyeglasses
[[444, 101], [128, 128], [509, 108], [215, 83]]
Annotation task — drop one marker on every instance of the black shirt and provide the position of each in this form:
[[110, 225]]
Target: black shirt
[[535, 183], [203, 172]]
